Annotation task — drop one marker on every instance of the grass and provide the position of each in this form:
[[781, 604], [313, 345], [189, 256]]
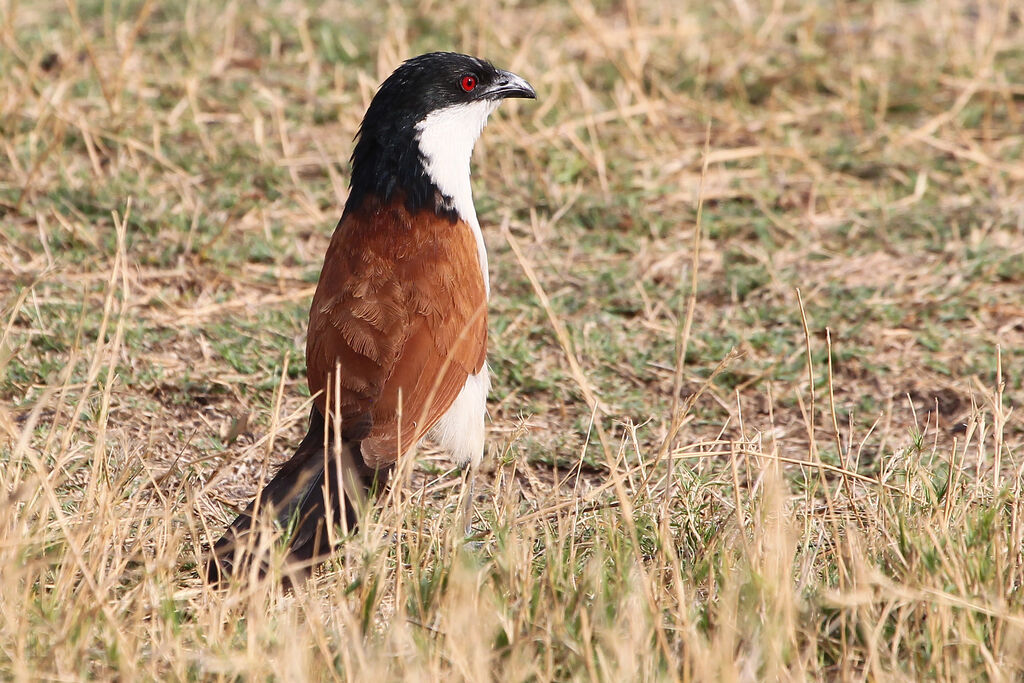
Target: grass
[[808, 466]]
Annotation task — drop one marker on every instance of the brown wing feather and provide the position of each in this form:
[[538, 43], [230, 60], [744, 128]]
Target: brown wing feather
[[401, 310]]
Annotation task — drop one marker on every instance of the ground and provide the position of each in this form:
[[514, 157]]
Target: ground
[[756, 331]]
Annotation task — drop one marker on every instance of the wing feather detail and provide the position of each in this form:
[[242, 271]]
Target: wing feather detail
[[401, 312]]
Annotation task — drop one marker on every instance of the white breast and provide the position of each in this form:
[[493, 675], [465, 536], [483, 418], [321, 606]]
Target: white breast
[[460, 431], [446, 138]]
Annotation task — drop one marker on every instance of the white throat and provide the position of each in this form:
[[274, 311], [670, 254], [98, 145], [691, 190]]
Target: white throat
[[446, 138]]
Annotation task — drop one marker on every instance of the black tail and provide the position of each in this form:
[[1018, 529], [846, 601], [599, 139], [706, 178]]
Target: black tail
[[295, 500]]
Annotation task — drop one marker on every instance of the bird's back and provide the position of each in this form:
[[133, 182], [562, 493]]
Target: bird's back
[[401, 312]]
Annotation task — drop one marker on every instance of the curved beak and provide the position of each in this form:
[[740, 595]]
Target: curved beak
[[510, 85]]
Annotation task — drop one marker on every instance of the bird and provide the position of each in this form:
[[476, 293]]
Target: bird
[[397, 337]]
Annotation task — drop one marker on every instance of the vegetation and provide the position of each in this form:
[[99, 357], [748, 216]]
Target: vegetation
[[756, 332]]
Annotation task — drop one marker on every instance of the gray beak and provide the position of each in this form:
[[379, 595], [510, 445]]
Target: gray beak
[[510, 85]]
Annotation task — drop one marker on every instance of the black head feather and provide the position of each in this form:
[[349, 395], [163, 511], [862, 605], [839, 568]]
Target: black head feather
[[386, 158]]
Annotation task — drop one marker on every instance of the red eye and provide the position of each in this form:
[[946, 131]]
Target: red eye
[[468, 83]]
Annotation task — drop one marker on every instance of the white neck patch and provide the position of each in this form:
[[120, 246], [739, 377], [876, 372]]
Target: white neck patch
[[446, 138]]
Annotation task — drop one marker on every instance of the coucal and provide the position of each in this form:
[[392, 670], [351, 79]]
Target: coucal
[[396, 347]]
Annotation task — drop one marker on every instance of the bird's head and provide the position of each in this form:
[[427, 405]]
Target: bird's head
[[440, 81], [423, 122]]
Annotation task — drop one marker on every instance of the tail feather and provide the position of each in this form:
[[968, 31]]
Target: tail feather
[[316, 487]]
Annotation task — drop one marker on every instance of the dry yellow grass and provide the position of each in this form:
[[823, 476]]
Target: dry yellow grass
[[756, 324]]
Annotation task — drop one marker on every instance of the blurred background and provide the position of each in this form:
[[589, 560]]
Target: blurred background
[[842, 182]]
